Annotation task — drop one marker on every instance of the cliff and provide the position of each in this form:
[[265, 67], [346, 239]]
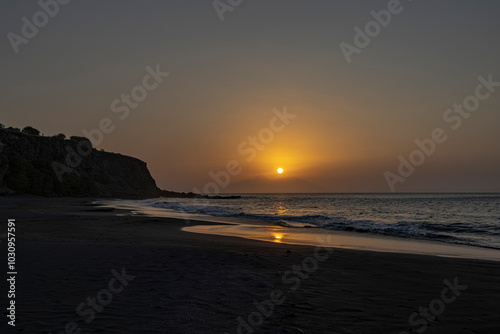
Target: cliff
[[54, 166]]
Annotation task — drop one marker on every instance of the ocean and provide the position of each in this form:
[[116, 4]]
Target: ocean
[[468, 219]]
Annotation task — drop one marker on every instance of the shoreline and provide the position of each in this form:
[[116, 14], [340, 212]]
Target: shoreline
[[346, 240], [197, 283], [265, 231]]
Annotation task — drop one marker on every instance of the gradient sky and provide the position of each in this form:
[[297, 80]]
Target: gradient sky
[[353, 120]]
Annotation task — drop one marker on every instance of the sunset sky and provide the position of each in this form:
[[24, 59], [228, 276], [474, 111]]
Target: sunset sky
[[353, 120]]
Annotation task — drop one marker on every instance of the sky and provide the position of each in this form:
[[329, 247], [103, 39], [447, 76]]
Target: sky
[[268, 86]]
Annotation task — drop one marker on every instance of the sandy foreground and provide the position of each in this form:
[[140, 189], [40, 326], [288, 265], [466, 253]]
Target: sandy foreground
[[85, 269]]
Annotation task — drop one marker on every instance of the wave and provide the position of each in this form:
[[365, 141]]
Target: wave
[[484, 235]]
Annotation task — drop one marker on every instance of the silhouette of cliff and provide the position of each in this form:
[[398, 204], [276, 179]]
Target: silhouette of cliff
[[55, 166]]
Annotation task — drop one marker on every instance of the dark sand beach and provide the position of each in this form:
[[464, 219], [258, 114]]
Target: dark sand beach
[[165, 280]]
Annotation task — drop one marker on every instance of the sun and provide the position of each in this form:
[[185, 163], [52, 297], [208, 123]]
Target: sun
[[280, 170]]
